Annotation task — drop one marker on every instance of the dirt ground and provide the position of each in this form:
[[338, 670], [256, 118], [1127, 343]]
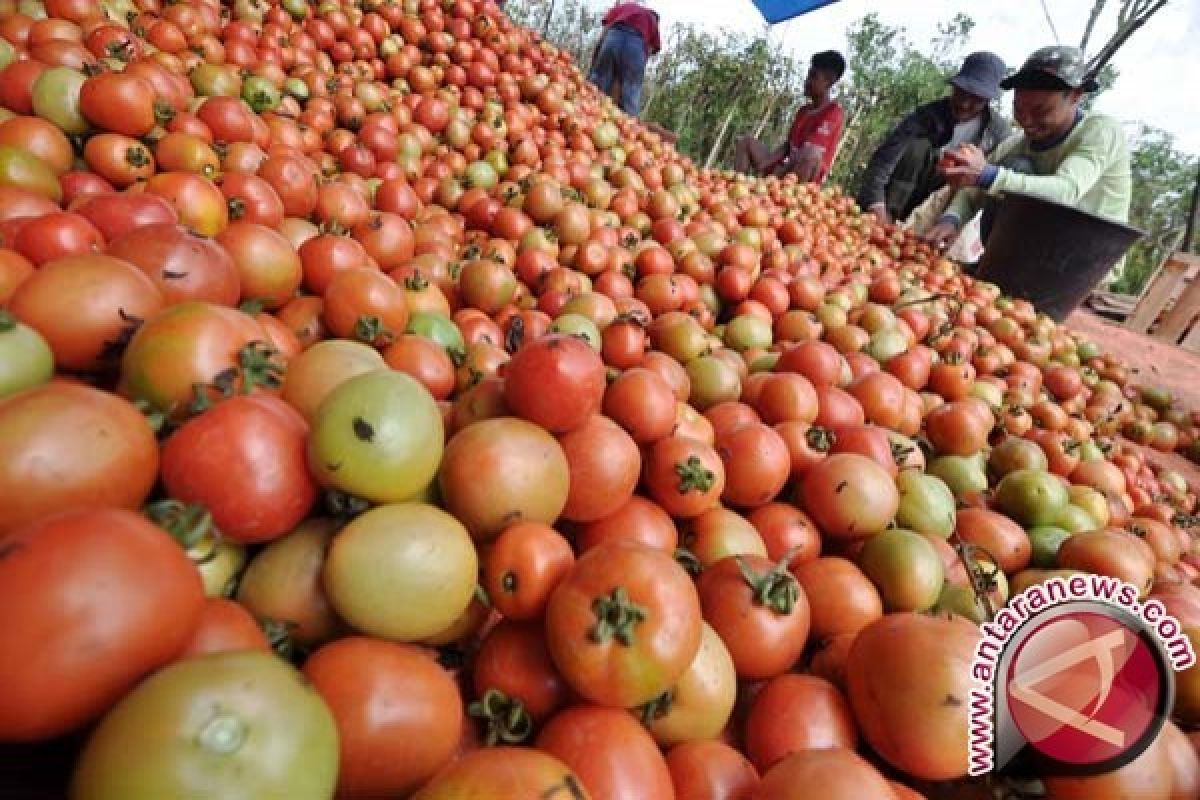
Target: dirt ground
[[1151, 362]]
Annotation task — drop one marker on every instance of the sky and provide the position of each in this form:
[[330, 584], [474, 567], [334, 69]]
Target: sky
[[1159, 67]]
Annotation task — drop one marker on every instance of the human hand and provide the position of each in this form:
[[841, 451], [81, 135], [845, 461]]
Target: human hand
[[881, 213], [942, 235], [806, 162], [964, 166]]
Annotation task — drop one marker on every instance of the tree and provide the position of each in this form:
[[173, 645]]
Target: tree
[[1163, 180]]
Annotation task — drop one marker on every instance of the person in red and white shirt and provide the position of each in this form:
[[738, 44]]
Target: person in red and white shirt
[[813, 139]]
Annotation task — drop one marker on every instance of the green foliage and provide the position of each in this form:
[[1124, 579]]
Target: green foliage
[[1163, 181], [887, 78]]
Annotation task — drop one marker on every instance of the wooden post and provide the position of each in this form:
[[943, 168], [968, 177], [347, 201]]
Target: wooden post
[[1158, 294], [1176, 321]]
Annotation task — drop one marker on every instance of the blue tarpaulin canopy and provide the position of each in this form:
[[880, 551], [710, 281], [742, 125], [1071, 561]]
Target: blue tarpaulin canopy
[[775, 11]]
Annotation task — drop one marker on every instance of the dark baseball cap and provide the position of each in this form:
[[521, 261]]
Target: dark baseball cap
[[1054, 67], [980, 75]]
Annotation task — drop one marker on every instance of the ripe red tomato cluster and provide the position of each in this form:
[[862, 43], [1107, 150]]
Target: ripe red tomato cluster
[[384, 414]]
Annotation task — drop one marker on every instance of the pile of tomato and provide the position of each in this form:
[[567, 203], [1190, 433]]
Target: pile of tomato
[[384, 414]]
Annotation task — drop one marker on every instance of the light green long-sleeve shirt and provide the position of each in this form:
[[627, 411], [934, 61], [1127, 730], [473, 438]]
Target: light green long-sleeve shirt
[[1088, 170]]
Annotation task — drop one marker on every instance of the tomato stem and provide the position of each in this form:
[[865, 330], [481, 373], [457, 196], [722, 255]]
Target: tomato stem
[[616, 616], [657, 708], [982, 584], [776, 589], [506, 718], [694, 475], [259, 367], [820, 439], [7, 321], [342, 505], [687, 559], [187, 523]]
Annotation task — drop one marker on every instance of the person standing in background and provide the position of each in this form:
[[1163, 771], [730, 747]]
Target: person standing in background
[[630, 37]]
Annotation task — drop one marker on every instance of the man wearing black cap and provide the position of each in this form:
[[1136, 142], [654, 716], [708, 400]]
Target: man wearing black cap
[[903, 172], [1062, 154]]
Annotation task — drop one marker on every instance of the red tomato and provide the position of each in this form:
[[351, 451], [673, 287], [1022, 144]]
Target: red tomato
[[610, 752], [794, 713], [759, 611], [710, 770], [65, 446], [513, 660], [224, 626], [556, 381], [120, 584], [184, 265], [604, 464], [624, 624], [245, 460], [523, 566], [398, 713]]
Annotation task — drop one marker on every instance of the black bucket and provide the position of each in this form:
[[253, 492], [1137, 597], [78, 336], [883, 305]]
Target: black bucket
[[1050, 254]]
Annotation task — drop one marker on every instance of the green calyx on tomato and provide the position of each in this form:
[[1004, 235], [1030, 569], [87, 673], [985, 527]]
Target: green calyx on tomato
[[776, 589], [257, 367], [616, 617], [218, 560], [506, 719], [694, 476]]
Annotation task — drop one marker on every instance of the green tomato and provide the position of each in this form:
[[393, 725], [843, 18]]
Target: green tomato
[[886, 344], [438, 328], [297, 8], [481, 174], [906, 568], [713, 381], [1090, 451], [1015, 453], [747, 331], [605, 135], [56, 98], [963, 474], [1045, 540], [765, 362], [296, 88], [960, 600], [34, 9], [578, 325], [248, 10], [25, 358], [403, 572], [497, 160], [926, 504], [217, 559], [233, 724], [209, 80], [282, 584], [260, 94], [377, 436], [1075, 519], [1032, 497], [8, 53], [1089, 350], [20, 168], [989, 393]]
